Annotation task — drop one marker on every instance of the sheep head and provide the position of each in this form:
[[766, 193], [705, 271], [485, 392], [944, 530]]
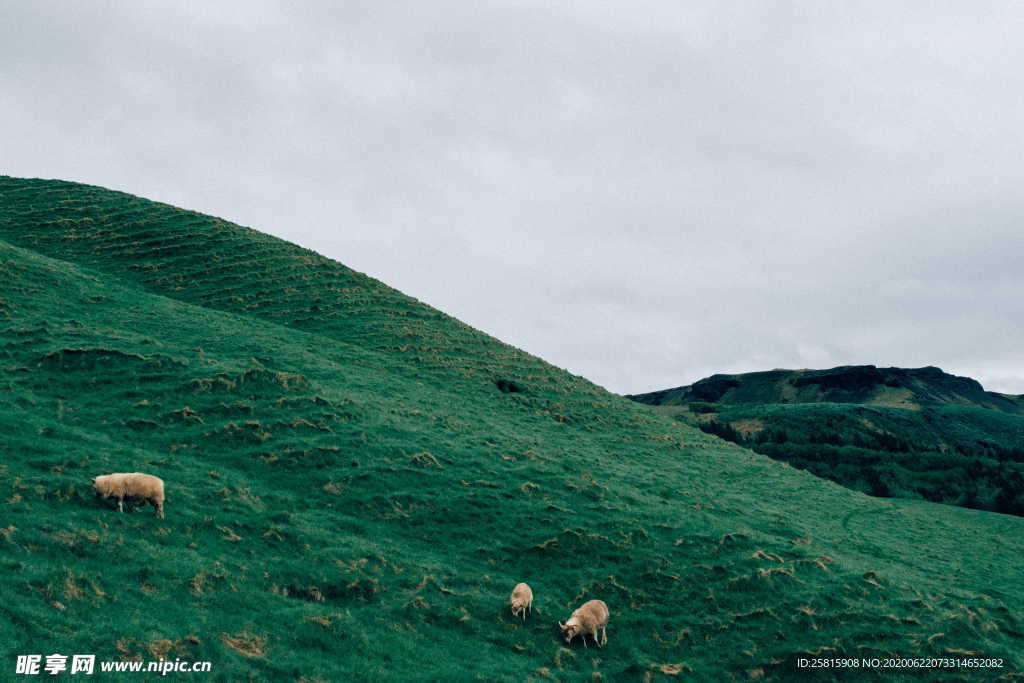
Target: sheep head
[[570, 630]]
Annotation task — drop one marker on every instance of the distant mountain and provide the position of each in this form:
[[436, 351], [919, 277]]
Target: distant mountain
[[864, 384], [892, 432]]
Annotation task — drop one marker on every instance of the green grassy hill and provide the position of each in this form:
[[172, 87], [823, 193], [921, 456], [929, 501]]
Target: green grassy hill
[[356, 481], [909, 433]]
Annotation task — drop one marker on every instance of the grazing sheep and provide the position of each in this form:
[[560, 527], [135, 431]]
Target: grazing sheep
[[589, 618], [521, 600], [123, 485]]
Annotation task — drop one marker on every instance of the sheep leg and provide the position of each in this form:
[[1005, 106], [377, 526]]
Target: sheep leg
[[120, 505], [604, 634]]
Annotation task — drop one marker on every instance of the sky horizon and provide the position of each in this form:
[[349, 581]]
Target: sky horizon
[[644, 195]]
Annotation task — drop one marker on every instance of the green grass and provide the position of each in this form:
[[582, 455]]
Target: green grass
[[356, 481]]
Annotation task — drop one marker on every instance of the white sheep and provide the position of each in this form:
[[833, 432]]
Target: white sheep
[[123, 485], [588, 619], [521, 600]]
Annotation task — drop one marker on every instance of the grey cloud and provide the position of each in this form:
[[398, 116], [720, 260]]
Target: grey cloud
[[644, 193]]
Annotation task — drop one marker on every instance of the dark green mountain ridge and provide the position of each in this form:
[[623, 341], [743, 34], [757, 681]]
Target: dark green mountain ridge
[[865, 384], [910, 433], [356, 481]]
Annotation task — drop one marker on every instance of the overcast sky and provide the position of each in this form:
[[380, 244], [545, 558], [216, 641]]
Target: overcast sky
[[644, 193]]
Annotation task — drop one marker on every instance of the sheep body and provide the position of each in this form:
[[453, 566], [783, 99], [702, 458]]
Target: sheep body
[[588, 619], [121, 485], [521, 600]]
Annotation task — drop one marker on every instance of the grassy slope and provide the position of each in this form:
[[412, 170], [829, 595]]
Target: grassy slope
[[351, 495]]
